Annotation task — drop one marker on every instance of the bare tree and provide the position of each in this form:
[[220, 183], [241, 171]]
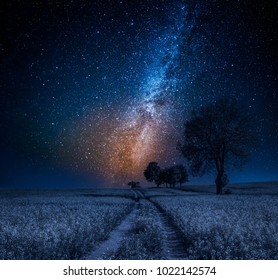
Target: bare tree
[[218, 137]]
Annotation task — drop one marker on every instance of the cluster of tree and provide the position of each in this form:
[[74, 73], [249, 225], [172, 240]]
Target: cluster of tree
[[168, 176], [217, 137], [133, 184]]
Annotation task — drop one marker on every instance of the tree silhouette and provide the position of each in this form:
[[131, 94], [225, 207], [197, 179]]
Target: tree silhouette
[[133, 184], [217, 137], [174, 174], [168, 176], [152, 173], [181, 174]]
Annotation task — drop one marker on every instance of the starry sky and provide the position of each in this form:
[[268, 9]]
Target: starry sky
[[92, 91]]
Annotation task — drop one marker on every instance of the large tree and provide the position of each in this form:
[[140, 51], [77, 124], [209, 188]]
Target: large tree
[[218, 137]]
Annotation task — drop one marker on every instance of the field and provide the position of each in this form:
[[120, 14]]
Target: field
[[192, 223], [56, 226]]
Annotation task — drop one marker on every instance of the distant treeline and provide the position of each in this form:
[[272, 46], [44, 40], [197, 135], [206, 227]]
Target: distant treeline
[[169, 177]]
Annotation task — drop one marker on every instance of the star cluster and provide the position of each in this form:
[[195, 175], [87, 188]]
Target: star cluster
[[104, 87]]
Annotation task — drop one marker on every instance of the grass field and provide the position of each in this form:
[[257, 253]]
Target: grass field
[[226, 227], [56, 227], [71, 224]]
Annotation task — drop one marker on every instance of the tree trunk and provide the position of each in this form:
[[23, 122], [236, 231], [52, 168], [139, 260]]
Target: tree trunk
[[219, 182]]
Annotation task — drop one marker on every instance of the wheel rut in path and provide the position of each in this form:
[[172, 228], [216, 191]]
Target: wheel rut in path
[[110, 246], [174, 243]]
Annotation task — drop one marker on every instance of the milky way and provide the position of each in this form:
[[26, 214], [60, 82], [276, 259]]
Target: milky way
[[144, 128], [101, 88], [142, 136]]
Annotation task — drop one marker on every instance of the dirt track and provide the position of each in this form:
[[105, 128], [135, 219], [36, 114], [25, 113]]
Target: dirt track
[[173, 245]]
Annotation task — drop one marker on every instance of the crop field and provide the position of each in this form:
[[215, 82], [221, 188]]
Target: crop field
[[155, 223], [226, 227], [57, 227]]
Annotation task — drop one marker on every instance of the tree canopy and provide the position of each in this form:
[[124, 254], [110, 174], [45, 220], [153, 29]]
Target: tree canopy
[[152, 173], [218, 137], [169, 176]]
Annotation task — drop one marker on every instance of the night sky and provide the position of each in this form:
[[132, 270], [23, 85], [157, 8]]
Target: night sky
[[92, 91]]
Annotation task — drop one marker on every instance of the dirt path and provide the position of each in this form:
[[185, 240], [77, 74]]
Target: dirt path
[[110, 246], [174, 244]]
